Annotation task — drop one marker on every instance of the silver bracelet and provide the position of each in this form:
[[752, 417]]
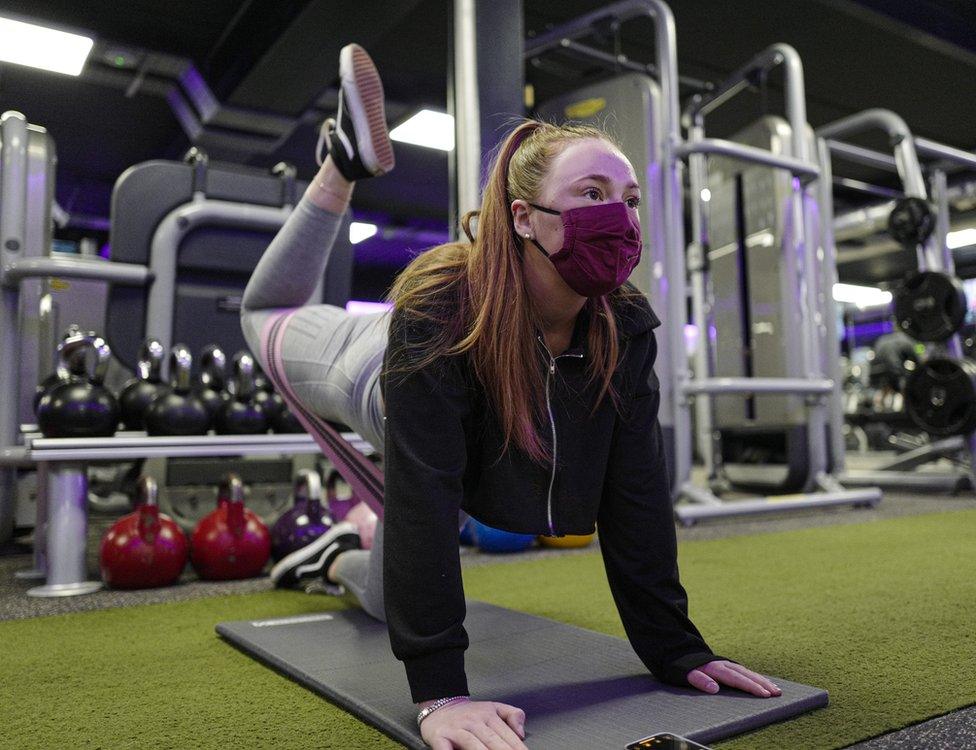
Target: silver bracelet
[[439, 703]]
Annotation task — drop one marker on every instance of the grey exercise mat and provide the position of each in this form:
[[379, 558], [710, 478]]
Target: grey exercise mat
[[580, 690]]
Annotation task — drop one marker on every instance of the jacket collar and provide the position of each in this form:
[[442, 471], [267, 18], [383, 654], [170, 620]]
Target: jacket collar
[[632, 319]]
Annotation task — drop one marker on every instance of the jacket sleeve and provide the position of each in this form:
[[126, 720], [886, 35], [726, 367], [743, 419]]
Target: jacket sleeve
[[424, 463], [638, 541]]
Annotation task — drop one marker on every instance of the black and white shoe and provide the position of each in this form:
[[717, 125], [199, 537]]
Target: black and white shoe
[[309, 565], [358, 139]]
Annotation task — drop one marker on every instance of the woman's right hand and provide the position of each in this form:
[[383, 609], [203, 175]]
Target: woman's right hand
[[475, 725]]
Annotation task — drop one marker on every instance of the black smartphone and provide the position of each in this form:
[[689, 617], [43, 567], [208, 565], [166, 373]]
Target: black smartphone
[[665, 741]]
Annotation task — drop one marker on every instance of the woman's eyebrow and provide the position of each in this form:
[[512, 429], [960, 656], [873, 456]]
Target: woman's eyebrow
[[605, 180]]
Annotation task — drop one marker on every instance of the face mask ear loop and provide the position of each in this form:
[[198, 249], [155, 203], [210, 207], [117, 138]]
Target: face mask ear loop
[[545, 210], [541, 248]]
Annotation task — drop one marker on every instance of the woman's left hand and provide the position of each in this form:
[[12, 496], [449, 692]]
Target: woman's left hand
[[708, 677]]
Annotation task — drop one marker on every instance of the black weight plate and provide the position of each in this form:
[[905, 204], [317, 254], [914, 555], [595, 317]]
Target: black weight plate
[[940, 396], [930, 306], [911, 222]]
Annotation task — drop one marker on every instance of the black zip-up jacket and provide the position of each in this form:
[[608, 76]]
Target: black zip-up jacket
[[442, 442]]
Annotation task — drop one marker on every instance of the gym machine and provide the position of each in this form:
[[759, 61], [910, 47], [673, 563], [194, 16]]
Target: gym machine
[[149, 294], [929, 305], [804, 371], [644, 115]]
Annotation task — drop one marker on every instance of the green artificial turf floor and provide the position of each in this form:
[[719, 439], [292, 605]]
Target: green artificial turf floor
[[882, 615]]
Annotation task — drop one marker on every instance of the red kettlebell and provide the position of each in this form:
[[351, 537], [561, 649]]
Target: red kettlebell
[[232, 542], [145, 549]]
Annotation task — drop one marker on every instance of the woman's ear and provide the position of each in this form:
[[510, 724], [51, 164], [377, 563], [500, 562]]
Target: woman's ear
[[520, 218]]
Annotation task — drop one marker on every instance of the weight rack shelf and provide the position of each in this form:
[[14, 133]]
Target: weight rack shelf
[[62, 518], [130, 445]]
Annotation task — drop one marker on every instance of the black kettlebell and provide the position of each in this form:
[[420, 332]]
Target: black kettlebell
[[138, 393], [261, 381], [280, 417], [77, 367], [211, 382], [242, 416], [178, 412], [269, 402], [79, 406], [284, 421]]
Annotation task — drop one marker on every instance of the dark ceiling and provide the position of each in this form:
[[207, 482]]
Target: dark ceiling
[[279, 57]]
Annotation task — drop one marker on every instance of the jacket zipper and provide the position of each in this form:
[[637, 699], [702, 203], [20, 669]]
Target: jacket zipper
[[552, 423]]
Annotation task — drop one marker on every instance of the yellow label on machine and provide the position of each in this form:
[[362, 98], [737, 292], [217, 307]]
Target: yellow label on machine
[[59, 285], [586, 108]]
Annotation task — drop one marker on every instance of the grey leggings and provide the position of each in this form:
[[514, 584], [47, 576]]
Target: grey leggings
[[331, 359]]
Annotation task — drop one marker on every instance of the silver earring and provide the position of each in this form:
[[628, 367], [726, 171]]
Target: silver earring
[[527, 236]]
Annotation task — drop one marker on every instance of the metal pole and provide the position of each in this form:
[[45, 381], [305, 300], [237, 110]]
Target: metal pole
[[906, 157], [674, 234], [467, 114], [940, 246], [67, 569], [13, 230], [698, 179], [831, 341], [796, 111], [166, 243]]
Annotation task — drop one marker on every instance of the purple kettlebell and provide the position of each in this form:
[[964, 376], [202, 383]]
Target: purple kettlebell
[[305, 521], [338, 509]]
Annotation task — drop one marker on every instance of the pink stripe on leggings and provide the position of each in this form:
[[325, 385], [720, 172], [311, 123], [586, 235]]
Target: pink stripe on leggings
[[315, 425]]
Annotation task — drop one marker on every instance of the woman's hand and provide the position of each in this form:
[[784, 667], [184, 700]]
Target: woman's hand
[[475, 725], [708, 677]]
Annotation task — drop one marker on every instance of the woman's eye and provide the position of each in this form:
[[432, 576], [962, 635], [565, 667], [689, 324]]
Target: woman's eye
[[593, 193], [633, 202]]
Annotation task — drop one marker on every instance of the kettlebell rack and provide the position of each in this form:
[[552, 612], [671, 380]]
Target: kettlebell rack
[[60, 535]]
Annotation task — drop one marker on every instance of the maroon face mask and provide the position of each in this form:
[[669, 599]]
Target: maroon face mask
[[601, 247]]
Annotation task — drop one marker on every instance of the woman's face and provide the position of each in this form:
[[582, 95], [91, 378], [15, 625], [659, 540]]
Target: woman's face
[[584, 173]]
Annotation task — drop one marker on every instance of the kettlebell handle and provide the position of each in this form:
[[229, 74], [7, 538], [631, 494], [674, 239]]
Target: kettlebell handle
[[330, 484], [308, 485], [180, 368], [150, 363], [147, 490], [232, 488], [241, 385], [213, 367], [71, 353]]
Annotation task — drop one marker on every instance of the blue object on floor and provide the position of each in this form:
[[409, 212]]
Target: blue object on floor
[[496, 540]]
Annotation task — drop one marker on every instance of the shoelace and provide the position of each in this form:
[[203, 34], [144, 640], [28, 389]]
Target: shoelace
[[327, 126]]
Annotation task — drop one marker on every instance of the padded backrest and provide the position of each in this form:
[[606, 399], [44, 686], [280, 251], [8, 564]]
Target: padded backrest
[[214, 263]]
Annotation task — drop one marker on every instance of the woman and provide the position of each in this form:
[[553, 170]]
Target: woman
[[514, 379]]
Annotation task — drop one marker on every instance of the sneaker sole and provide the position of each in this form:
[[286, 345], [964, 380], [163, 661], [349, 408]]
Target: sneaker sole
[[364, 89], [306, 553]]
